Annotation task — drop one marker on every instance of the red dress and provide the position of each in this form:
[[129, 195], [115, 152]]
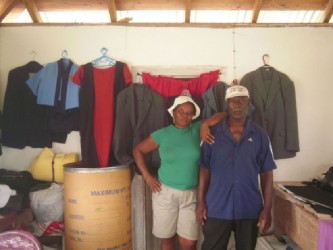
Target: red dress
[[104, 107]]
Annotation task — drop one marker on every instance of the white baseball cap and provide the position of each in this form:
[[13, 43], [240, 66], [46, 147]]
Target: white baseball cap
[[236, 90], [184, 99]]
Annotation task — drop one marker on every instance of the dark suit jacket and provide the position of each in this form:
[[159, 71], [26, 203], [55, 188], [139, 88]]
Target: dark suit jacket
[[24, 120], [275, 110], [140, 111]]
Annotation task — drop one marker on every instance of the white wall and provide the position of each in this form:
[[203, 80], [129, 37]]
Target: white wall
[[304, 54]]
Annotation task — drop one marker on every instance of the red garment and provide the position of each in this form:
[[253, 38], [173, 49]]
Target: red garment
[[104, 107], [170, 86]]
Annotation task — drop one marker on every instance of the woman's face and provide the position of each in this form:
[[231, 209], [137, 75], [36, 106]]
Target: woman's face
[[183, 115]]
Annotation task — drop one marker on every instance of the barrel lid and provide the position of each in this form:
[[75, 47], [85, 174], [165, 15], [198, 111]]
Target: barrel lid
[[69, 168]]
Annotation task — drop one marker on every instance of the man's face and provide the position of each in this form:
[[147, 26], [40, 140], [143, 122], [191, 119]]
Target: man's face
[[238, 106]]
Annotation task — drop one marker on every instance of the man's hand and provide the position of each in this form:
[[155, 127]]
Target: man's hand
[[264, 221]]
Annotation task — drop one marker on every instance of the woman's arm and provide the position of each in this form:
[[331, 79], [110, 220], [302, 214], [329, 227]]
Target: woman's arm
[[139, 152], [205, 134]]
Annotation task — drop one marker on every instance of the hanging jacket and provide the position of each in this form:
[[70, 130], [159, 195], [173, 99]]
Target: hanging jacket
[[273, 95], [24, 120], [140, 111]]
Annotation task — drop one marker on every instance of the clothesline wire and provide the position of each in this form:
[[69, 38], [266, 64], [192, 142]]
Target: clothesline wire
[[140, 74], [234, 51]]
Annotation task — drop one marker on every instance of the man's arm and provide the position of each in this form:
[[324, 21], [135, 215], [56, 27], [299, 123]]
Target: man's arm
[[205, 134], [139, 151], [204, 180], [265, 217]]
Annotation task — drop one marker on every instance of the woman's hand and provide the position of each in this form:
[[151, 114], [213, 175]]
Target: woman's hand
[[154, 184], [201, 213]]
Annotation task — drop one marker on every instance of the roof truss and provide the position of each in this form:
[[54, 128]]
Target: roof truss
[[34, 7]]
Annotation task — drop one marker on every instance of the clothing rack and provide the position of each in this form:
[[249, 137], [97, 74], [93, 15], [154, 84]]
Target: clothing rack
[[180, 76]]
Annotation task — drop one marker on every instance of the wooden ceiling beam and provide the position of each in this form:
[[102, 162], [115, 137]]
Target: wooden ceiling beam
[[33, 11], [328, 12], [285, 5], [256, 10], [123, 5], [112, 10], [188, 11], [6, 7]]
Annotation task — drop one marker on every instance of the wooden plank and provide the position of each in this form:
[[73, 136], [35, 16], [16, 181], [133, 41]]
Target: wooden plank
[[222, 5], [112, 10], [33, 11], [5, 7], [256, 10], [71, 5], [188, 11], [328, 12], [183, 25], [150, 5], [294, 5]]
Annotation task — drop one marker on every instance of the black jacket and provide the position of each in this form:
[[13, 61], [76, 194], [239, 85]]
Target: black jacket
[[24, 120]]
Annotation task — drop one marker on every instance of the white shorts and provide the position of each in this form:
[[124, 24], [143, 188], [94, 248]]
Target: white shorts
[[174, 212]]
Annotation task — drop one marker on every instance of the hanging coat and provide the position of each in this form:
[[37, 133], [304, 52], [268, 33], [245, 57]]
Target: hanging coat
[[273, 95], [140, 111], [24, 120]]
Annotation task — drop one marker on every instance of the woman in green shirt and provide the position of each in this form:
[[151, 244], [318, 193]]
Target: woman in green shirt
[[174, 189]]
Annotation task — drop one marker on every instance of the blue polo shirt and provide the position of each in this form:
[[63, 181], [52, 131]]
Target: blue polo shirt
[[234, 191]]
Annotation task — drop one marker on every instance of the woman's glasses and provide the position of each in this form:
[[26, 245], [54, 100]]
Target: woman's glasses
[[184, 113]]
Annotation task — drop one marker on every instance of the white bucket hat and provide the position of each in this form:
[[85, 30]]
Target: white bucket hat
[[183, 99], [237, 90]]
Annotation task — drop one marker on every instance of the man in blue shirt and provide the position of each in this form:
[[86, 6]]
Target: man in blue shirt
[[229, 194]]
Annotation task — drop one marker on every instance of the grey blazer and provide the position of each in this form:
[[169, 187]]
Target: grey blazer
[[140, 111], [275, 110]]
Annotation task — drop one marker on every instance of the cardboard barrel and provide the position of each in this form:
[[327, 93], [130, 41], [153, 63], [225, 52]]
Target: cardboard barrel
[[97, 208]]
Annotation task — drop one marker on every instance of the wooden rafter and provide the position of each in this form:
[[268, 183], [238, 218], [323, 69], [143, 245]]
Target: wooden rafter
[[5, 7], [188, 11], [256, 10], [328, 12], [33, 11], [112, 10], [15, 7]]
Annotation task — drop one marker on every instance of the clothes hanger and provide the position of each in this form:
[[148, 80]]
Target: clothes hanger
[[64, 54], [34, 53], [64, 58], [32, 65], [266, 59], [104, 60], [266, 69]]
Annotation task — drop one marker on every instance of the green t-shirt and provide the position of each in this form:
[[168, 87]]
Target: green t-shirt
[[179, 151]]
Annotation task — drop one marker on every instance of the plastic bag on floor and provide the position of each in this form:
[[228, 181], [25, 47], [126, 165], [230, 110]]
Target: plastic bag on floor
[[48, 204]]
